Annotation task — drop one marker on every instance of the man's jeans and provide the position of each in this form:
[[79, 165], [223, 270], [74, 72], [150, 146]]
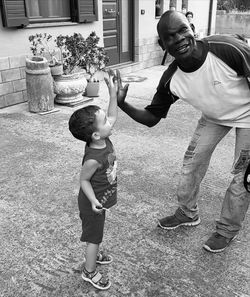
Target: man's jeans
[[196, 160]]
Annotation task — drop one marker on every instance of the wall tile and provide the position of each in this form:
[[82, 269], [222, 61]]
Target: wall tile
[[23, 73], [14, 98], [6, 88], [11, 74], [4, 63], [17, 61], [146, 56], [25, 96], [2, 102], [19, 85]]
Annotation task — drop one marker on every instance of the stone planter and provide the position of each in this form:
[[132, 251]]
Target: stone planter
[[56, 69], [69, 88], [39, 84], [92, 89]]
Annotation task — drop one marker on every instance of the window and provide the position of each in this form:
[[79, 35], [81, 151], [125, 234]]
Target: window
[[48, 10], [158, 8], [20, 13]]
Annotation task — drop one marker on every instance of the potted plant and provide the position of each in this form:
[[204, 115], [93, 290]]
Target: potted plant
[[42, 44], [70, 86], [94, 59]]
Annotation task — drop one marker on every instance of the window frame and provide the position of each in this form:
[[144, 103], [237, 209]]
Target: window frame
[[38, 20], [160, 3], [14, 13]]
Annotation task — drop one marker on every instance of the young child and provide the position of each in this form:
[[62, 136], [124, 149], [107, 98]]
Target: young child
[[98, 182]]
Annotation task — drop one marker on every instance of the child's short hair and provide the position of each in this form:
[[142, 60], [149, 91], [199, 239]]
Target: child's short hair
[[82, 123]]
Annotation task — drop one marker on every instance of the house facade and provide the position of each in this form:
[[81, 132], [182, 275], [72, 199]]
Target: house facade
[[127, 30]]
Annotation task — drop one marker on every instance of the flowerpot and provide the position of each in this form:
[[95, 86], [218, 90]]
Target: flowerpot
[[69, 88], [92, 89], [56, 69], [39, 84]]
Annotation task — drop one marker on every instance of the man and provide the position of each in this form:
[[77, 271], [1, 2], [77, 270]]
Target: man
[[212, 75]]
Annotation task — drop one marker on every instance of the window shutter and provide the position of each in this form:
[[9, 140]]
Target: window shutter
[[14, 14], [86, 11]]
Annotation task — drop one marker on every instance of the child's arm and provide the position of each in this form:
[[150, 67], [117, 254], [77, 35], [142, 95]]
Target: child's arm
[[112, 87], [88, 169]]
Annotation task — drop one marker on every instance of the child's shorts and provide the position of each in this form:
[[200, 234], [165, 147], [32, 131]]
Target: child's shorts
[[92, 227]]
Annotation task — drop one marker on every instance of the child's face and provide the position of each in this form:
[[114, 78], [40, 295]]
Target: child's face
[[103, 125]]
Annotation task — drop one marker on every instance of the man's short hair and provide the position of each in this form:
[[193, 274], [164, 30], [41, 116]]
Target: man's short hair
[[189, 13], [82, 123]]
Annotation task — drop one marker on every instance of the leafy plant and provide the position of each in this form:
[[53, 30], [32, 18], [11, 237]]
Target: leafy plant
[[72, 50], [42, 44], [78, 52], [241, 5], [95, 57]]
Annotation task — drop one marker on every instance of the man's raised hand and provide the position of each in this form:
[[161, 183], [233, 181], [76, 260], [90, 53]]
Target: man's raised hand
[[122, 90]]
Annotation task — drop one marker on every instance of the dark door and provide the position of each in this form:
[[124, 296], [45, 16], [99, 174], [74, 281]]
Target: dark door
[[117, 30]]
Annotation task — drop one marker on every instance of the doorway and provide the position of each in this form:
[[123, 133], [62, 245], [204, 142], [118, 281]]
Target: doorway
[[118, 30]]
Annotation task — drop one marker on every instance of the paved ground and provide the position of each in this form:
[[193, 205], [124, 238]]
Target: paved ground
[[39, 225]]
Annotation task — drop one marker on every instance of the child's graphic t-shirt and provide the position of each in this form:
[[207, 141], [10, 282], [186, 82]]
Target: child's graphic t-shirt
[[104, 180]]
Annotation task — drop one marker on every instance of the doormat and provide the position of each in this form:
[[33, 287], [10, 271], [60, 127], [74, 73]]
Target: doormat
[[133, 78]]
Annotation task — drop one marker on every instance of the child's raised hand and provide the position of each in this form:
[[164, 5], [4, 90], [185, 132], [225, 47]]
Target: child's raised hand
[[111, 83]]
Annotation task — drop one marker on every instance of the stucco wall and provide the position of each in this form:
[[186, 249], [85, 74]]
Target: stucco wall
[[201, 17], [232, 23], [15, 47], [15, 41], [15, 44], [147, 51]]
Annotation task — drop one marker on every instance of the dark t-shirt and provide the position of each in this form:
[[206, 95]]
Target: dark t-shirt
[[103, 181]]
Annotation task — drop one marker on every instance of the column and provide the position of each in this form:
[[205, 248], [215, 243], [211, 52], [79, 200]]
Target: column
[[184, 7]]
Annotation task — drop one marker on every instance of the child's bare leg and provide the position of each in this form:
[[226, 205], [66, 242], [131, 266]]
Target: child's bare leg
[[91, 254]]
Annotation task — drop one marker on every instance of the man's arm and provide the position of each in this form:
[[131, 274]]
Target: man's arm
[[160, 104], [140, 115]]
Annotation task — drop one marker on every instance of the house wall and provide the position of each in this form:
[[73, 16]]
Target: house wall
[[201, 16], [147, 52], [15, 47], [11, 37]]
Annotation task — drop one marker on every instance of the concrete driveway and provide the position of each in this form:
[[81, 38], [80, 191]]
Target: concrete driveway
[[39, 224]]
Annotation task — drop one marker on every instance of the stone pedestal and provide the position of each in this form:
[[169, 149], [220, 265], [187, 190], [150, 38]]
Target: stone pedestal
[[69, 88], [39, 85]]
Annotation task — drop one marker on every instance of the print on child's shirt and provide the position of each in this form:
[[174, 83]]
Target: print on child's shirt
[[111, 171], [111, 176]]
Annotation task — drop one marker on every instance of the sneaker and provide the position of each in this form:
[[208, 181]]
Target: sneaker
[[247, 179], [216, 243], [172, 222]]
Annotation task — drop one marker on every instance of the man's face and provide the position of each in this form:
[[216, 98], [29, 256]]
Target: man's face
[[189, 18], [177, 36]]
